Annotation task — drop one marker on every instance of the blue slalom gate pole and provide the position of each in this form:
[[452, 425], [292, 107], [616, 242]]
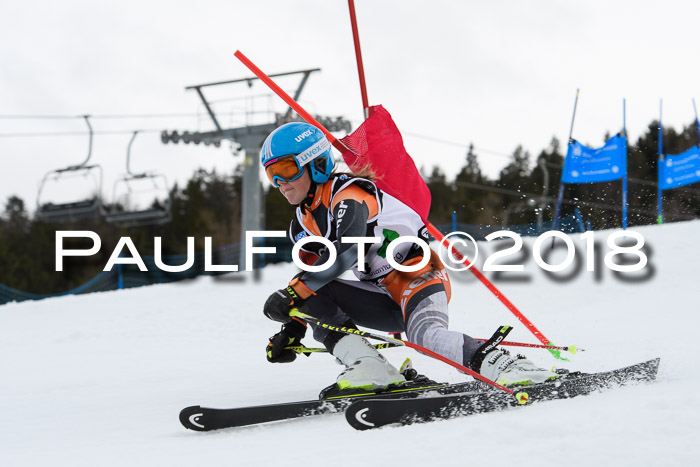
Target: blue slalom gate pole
[[659, 201], [561, 185], [579, 219], [571, 128], [697, 123], [624, 203], [624, 179], [560, 198]]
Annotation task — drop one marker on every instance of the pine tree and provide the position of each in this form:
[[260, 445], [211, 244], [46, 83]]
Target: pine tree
[[442, 197]]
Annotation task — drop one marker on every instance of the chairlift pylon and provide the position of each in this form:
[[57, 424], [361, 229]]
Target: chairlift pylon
[[124, 213], [66, 211]]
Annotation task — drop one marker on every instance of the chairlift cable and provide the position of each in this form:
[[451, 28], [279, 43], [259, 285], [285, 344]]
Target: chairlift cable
[[96, 117], [75, 133]]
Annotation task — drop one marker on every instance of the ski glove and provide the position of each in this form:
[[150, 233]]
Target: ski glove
[[290, 335], [278, 304]]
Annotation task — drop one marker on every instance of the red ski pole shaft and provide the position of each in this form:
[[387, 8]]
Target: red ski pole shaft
[[345, 330]]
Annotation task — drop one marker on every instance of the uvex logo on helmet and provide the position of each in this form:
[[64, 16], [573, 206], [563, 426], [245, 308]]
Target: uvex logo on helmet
[[313, 152], [301, 137]]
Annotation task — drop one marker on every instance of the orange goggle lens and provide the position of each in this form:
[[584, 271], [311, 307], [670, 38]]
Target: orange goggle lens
[[285, 169]]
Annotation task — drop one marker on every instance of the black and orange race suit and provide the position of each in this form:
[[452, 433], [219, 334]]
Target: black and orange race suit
[[384, 298]]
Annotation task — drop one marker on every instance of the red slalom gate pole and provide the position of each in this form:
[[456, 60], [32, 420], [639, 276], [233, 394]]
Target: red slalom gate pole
[[431, 228], [358, 56], [489, 285], [288, 100], [461, 368]]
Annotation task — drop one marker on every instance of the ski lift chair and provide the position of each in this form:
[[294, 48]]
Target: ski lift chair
[[124, 210], [66, 211]]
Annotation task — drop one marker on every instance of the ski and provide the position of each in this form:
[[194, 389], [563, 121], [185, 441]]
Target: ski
[[207, 419], [374, 413]]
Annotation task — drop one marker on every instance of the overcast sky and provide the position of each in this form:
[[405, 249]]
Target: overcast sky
[[493, 73]]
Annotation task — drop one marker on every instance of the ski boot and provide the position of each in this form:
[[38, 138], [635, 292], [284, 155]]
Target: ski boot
[[368, 372], [507, 370]]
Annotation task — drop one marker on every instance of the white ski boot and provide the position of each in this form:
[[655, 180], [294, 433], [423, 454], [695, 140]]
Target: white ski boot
[[366, 368], [507, 370]]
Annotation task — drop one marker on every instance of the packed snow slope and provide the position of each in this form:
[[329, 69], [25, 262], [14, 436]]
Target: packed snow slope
[[100, 379]]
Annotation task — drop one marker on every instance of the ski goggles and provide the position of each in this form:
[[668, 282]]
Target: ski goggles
[[283, 169], [289, 168]]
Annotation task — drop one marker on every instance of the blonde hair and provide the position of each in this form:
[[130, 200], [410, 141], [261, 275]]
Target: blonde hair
[[362, 171]]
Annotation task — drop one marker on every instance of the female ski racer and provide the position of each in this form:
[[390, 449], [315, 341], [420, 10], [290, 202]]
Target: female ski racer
[[298, 160]]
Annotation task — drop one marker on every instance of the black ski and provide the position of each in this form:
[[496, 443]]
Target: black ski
[[206, 419], [374, 413]]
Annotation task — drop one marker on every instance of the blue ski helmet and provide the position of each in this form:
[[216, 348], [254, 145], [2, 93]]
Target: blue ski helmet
[[306, 143]]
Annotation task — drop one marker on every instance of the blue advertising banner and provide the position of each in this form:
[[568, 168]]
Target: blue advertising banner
[[587, 165], [680, 169]]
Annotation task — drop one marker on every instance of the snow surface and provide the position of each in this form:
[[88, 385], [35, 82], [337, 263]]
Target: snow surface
[[100, 379]]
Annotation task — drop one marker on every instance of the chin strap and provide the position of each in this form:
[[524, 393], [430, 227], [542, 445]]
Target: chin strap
[[306, 202]]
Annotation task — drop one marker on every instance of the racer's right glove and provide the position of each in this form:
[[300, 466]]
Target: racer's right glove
[[291, 334]]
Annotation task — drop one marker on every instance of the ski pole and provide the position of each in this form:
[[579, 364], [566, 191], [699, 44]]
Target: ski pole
[[299, 349], [521, 397], [571, 348], [302, 349]]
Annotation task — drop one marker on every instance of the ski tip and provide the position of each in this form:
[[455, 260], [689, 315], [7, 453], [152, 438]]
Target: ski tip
[[190, 418], [358, 417]]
